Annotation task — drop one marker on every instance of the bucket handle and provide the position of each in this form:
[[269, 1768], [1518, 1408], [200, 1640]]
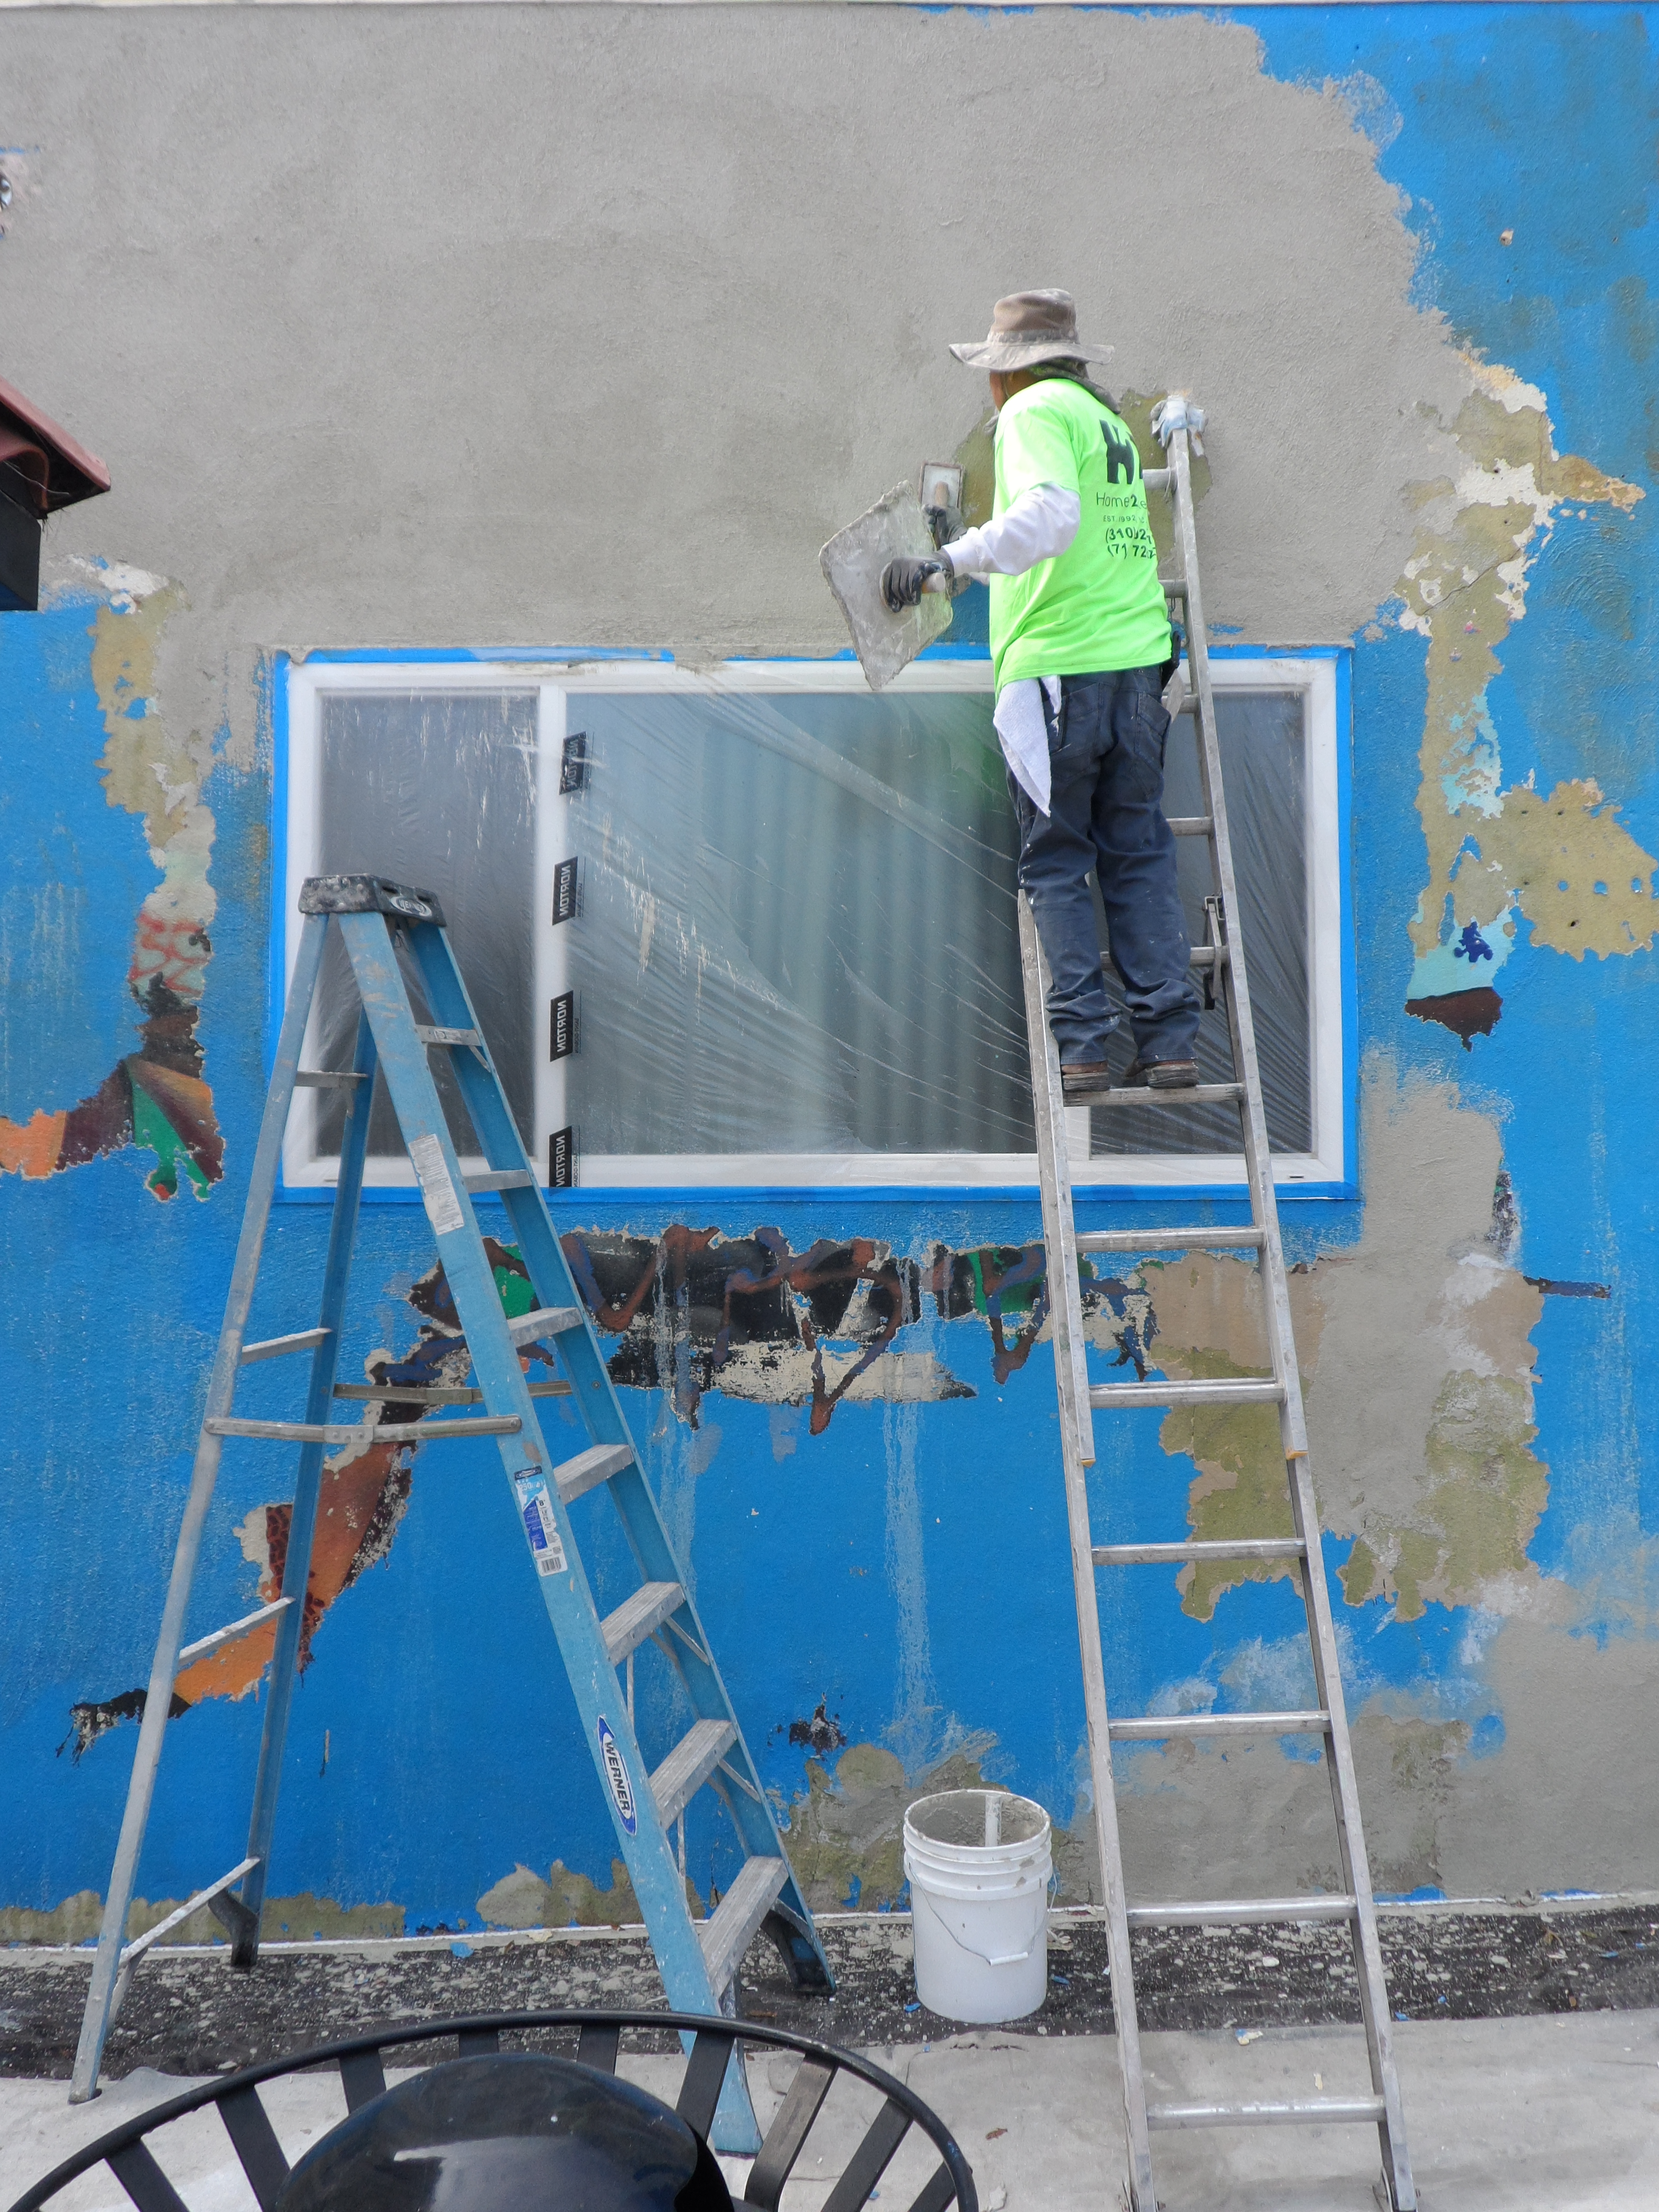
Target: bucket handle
[[1002, 1958]]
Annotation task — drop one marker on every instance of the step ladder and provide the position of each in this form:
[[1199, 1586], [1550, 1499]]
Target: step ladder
[[381, 927], [1223, 956]]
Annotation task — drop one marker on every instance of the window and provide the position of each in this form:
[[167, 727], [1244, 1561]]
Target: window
[[793, 960]]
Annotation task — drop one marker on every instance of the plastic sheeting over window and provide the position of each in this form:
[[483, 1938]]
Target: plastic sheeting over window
[[438, 791], [795, 922], [798, 932], [1264, 769], [797, 925]]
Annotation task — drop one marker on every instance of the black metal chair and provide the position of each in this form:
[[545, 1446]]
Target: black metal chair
[[127, 2153]]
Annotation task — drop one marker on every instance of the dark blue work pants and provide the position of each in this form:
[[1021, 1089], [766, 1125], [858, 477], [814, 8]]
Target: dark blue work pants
[[1106, 813]]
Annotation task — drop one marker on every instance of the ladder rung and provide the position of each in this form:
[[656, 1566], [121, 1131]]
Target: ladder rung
[[410, 1394], [1245, 1912], [1206, 1547], [429, 1033], [130, 1952], [638, 1617], [351, 1433], [326, 1078], [546, 1320], [1152, 1728], [1307, 2111], [1245, 1392], [205, 1643], [689, 1765], [1156, 479], [1142, 1094], [728, 1931], [575, 1477], [500, 1179], [1175, 588], [1190, 825], [1168, 1240], [274, 1348], [1206, 956]]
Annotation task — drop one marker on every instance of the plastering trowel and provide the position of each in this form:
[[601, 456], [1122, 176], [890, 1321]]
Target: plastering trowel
[[852, 561]]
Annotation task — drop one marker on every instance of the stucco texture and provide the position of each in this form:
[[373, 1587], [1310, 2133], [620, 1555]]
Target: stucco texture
[[475, 326]]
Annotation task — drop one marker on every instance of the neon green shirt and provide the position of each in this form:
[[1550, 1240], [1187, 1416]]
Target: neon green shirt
[[1099, 605]]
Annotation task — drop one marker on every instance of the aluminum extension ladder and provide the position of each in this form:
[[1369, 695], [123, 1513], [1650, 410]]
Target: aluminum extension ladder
[[698, 1958], [1080, 1399]]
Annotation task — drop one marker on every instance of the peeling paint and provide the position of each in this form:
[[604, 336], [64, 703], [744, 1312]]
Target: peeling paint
[[300, 1918], [524, 1899], [1421, 1407], [1563, 861], [846, 1831], [1484, 1495], [155, 1099]]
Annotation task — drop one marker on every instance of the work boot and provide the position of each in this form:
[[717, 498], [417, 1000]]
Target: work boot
[[1084, 1075], [1160, 1074]]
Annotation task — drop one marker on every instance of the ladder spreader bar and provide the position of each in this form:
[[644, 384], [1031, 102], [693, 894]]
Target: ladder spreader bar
[[742, 1781], [133, 1951], [274, 1347], [1152, 1728], [206, 1643], [351, 1433], [326, 1078], [410, 1394], [429, 1033], [1303, 2111], [1242, 1912]]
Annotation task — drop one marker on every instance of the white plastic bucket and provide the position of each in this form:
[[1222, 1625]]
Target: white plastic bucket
[[978, 1862]]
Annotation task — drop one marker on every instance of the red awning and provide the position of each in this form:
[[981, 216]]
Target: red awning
[[55, 470]]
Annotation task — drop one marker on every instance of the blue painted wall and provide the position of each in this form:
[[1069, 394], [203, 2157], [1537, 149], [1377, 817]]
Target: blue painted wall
[[906, 1568]]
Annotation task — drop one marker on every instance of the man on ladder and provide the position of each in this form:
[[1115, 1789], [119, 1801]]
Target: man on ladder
[[1087, 765], [1082, 649]]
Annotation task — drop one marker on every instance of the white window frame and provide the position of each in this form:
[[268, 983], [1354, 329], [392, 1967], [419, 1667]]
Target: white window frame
[[1147, 1173]]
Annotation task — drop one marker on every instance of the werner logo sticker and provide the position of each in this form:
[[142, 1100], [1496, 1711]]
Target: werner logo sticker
[[546, 1544], [615, 1773]]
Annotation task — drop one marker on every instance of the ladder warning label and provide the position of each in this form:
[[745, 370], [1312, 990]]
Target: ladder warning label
[[443, 1208], [546, 1544], [615, 1773]]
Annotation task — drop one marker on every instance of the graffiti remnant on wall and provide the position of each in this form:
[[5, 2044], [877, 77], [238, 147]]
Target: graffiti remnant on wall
[[691, 1312], [155, 1099]]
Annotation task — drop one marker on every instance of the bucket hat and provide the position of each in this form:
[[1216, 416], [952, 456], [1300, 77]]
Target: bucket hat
[[1029, 327]]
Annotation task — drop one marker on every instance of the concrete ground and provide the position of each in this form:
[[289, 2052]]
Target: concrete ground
[[1505, 2116]]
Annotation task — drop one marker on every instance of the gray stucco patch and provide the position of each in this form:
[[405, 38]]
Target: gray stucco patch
[[591, 325]]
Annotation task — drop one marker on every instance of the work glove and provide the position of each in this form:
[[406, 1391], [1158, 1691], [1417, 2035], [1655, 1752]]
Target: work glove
[[903, 580], [1178, 412], [944, 523]]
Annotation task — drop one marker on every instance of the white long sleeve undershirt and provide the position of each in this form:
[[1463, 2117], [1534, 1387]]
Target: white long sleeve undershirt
[[1039, 526]]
